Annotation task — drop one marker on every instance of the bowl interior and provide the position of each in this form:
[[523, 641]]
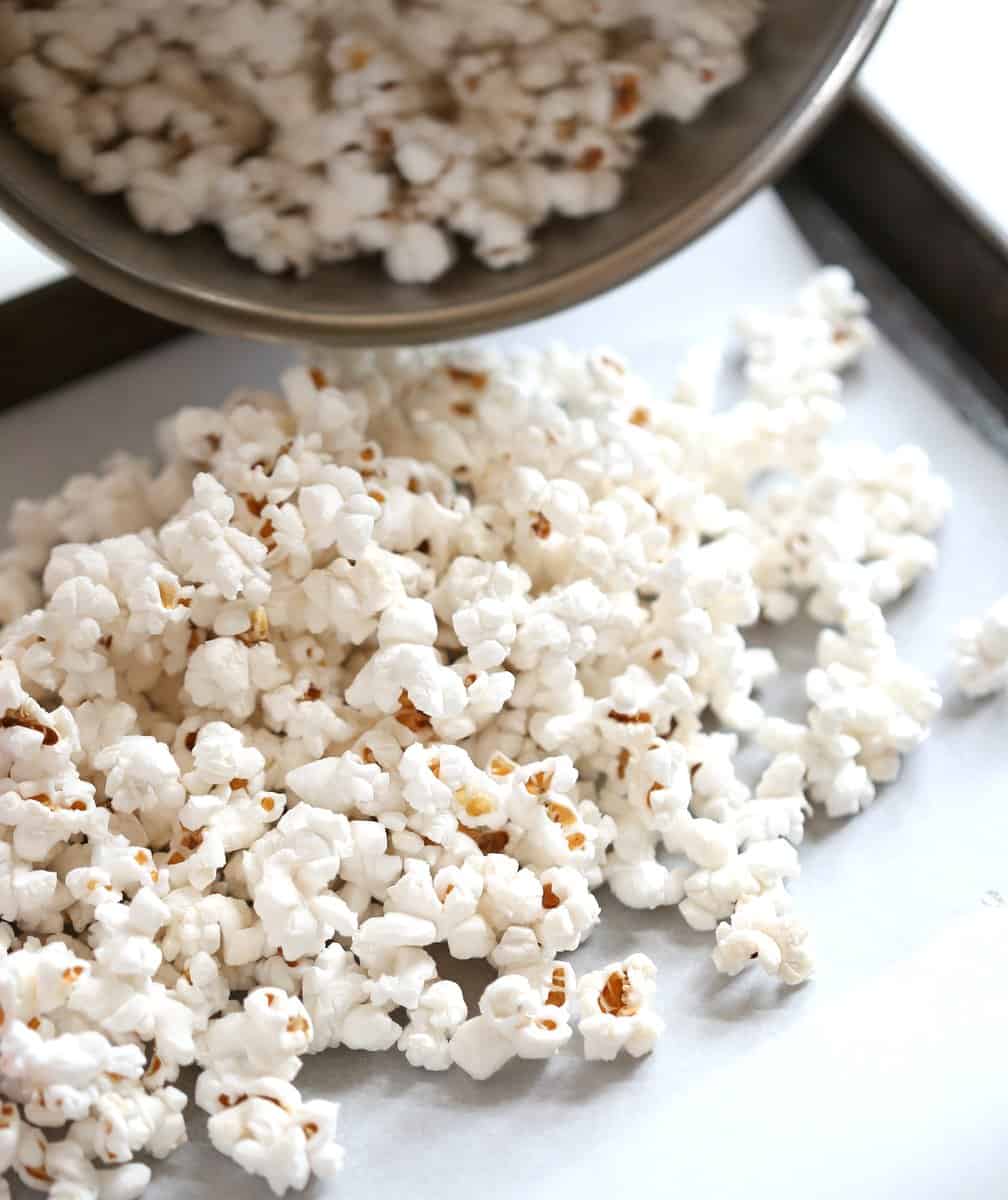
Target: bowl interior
[[689, 177]]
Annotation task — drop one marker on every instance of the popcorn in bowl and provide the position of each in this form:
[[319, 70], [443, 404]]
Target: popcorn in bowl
[[309, 132]]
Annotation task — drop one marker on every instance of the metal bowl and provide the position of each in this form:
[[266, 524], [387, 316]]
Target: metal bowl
[[689, 178]]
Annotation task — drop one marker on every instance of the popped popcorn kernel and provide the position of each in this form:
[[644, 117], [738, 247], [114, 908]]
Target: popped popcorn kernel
[[980, 646], [617, 1009]]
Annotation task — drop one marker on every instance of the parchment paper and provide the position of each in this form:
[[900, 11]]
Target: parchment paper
[[885, 1077]]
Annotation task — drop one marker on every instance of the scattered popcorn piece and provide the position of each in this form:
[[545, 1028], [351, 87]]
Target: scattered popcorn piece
[[515, 1018], [778, 807], [440, 1012], [758, 932], [980, 646], [868, 708], [617, 1009], [269, 1130]]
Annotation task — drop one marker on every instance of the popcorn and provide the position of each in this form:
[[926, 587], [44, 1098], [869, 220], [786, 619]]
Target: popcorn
[[76, 1060], [339, 514], [343, 784], [142, 776], [758, 931], [203, 547], [218, 677], [126, 1122], [219, 756], [408, 680], [711, 893], [399, 980], [287, 873], [24, 891], [268, 1037], [437, 1016], [778, 808], [980, 646], [570, 910], [402, 665], [514, 1019], [210, 924], [63, 650], [345, 122], [65, 1164], [394, 929], [867, 709], [512, 895], [635, 876], [266, 1127], [617, 1009], [334, 990]]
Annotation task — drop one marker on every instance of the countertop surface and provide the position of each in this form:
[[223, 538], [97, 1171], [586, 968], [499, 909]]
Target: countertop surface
[[884, 1077], [937, 78]]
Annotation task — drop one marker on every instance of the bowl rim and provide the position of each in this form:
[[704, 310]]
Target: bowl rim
[[223, 313]]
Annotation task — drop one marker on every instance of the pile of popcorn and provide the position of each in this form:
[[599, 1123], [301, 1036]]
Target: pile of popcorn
[[315, 131], [421, 652]]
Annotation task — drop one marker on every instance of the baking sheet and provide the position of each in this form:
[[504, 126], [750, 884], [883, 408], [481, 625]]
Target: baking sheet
[[884, 1076]]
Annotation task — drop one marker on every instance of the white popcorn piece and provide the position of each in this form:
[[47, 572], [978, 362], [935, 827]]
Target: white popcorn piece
[[570, 910], [707, 843], [287, 873], [518, 950], [617, 1009], [758, 932], [778, 808], [868, 709], [434, 1020], [402, 675], [512, 895], [392, 930], [334, 991], [218, 676], [270, 1131], [343, 784], [515, 1018], [75, 1060], [219, 755], [205, 548], [142, 776], [980, 647], [710, 894], [638, 880], [398, 982], [268, 1037], [339, 514]]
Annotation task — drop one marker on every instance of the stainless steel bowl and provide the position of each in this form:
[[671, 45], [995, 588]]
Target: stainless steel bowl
[[690, 177]]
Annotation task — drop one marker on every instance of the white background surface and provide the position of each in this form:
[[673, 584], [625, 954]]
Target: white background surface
[[883, 1078], [23, 265]]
